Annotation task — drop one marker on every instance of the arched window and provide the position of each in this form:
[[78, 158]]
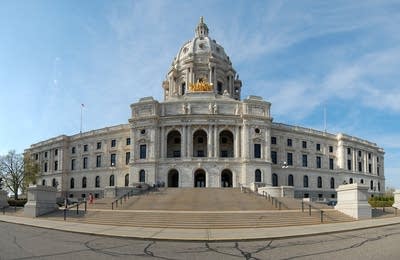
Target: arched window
[[127, 180], [290, 180], [226, 144], [332, 183], [112, 180], [371, 185], [319, 182], [257, 177], [173, 144], [84, 182], [362, 181], [305, 181], [142, 176], [274, 180], [351, 180], [72, 183], [200, 143], [44, 182], [97, 182], [54, 183]]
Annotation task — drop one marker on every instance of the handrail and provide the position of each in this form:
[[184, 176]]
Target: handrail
[[72, 206], [274, 200], [321, 212], [125, 196]]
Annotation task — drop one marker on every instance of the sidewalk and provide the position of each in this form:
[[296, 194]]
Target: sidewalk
[[200, 234]]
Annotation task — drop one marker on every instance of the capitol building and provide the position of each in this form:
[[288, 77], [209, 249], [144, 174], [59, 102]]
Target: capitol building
[[205, 134]]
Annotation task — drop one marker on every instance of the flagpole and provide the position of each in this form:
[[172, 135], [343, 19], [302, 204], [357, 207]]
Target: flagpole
[[81, 117]]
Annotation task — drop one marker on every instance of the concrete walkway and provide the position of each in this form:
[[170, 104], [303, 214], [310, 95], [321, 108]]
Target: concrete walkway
[[201, 234]]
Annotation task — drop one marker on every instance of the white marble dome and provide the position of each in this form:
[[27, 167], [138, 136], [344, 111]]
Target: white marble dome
[[202, 59]]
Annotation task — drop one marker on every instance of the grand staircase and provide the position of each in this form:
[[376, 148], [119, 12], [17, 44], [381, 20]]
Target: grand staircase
[[199, 208]]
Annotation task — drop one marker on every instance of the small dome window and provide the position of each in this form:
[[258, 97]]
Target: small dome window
[[257, 130], [185, 50], [143, 131]]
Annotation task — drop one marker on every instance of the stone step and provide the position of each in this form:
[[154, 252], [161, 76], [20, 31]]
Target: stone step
[[199, 220]]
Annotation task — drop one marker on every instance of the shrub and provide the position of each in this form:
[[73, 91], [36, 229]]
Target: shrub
[[381, 201], [17, 203]]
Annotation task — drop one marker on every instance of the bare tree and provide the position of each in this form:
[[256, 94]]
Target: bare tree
[[12, 171]]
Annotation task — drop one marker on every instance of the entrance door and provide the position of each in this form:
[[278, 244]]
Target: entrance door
[[199, 178], [226, 178], [173, 178]]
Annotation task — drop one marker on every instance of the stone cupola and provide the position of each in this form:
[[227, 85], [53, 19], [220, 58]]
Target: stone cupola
[[201, 65]]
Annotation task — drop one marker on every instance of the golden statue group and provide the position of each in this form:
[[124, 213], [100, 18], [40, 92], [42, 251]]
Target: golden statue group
[[200, 86]]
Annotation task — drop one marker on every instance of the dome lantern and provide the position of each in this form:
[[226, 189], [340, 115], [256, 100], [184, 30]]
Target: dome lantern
[[201, 29]]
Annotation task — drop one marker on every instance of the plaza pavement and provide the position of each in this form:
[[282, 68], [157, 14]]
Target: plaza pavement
[[201, 234]]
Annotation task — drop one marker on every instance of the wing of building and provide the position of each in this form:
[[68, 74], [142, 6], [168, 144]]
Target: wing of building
[[204, 135]]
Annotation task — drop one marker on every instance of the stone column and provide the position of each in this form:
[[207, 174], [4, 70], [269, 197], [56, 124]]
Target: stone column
[[184, 138], [216, 142], [209, 141], [236, 142], [352, 200], [163, 142], [133, 146], [245, 141], [267, 147], [189, 142]]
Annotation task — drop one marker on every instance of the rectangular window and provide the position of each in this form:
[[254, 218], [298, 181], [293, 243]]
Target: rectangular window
[[128, 141], [45, 167], [369, 156], [72, 164], [349, 165], [142, 152], [45, 154], [85, 162], [349, 151], [359, 166], [273, 140], [113, 161], [318, 147], [304, 145], [305, 160], [319, 165], [331, 163], [127, 157], [85, 148], [289, 142], [359, 153], [274, 157], [377, 170], [370, 168], [377, 159], [289, 159], [331, 149], [56, 165], [73, 149], [56, 152], [98, 161], [113, 143], [37, 156], [257, 150], [98, 146]]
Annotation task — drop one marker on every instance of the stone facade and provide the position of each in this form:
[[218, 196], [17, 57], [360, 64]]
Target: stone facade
[[204, 135]]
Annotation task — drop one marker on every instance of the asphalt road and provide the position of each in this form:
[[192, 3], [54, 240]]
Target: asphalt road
[[23, 242]]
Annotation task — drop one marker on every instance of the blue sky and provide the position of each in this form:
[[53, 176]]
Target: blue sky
[[300, 55]]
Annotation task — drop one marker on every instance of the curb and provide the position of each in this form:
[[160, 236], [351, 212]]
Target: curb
[[210, 235]]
